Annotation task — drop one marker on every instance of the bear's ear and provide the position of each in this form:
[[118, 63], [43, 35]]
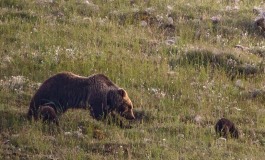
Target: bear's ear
[[122, 92]]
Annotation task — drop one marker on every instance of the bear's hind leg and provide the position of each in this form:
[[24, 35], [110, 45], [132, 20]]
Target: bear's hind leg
[[30, 114]]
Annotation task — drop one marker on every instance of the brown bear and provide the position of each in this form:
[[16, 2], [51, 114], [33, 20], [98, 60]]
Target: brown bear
[[97, 92], [224, 126], [48, 114]]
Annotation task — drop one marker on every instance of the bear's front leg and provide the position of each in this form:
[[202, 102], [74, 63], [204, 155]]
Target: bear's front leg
[[115, 118], [97, 111]]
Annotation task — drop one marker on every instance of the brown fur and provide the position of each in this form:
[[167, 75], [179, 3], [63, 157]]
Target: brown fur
[[261, 23], [67, 90], [224, 126], [48, 114]]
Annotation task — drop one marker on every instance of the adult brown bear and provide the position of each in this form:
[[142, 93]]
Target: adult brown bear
[[97, 92]]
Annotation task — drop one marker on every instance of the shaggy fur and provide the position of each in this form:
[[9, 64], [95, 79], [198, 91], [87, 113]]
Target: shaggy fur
[[48, 114], [67, 90], [224, 126]]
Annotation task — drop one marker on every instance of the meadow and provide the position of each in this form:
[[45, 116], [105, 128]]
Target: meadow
[[184, 64]]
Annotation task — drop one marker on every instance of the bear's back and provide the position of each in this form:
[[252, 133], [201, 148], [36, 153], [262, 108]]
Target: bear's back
[[65, 85], [54, 87], [101, 79], [68, 78]]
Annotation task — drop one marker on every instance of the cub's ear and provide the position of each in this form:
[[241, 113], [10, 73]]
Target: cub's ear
[[122, 92]]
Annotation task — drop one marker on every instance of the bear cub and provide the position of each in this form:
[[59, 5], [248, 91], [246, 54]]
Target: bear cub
[[224, 127], [48, 114]]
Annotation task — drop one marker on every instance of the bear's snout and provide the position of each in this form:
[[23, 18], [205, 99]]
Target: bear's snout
[[129, 115]]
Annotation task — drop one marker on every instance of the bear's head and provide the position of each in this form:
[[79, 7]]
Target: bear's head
[[235, 133], [119, 101]]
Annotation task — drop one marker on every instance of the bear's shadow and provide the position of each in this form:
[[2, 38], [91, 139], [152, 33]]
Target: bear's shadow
[[142, 116], [114, 149]]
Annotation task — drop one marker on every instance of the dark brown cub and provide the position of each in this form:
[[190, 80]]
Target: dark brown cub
[[224, 127], [48, 114]]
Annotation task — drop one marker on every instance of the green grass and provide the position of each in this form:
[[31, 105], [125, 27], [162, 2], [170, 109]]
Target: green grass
[[168, 84]]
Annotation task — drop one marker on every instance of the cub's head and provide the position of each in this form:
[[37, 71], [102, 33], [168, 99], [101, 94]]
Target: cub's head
[[235, 133], [48, 114], [119, 101]]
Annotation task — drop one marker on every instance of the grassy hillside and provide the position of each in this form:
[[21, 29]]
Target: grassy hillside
[[177, 61]]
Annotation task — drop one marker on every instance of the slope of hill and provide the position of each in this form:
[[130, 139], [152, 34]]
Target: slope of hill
[[184, 65]]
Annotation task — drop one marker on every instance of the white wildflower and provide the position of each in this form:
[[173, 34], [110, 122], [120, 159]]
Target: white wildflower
[[169, 8], [180, 136], [68, 133], [216, 19], [170, 41], [17, 82], [238, 109], [222, 139], [198, 119], [150, 10], [143, 23], [147, 140], [239, 84], [170, 20], [159, 18]]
